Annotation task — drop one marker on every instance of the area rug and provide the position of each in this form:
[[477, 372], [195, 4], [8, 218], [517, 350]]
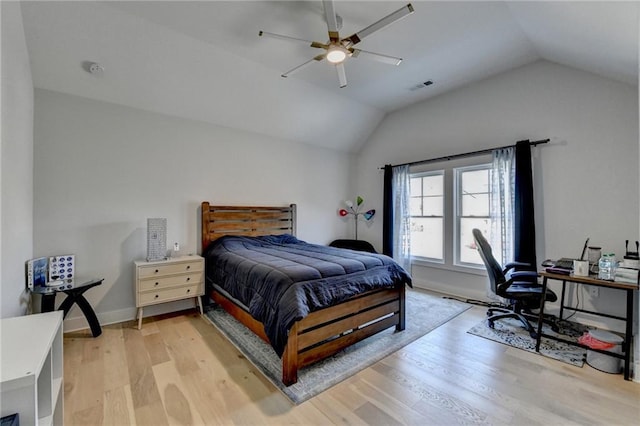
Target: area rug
[[509, 331], [424, 313]]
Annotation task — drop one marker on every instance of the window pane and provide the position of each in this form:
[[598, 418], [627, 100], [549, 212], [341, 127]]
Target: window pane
[[433, 206], [475, 205], [433, 185], [426, 237], [475, 181], [468, 251], [416, 187], [415, 206]]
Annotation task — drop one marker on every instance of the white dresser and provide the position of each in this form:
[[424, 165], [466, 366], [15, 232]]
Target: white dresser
[[31, 368], [168, 280]]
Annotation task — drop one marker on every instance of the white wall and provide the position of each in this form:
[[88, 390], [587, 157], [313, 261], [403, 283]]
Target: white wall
[[16, 165], [101, 170], [586, 179]]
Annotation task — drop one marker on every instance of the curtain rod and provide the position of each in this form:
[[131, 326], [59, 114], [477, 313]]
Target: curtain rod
[[466, 154]]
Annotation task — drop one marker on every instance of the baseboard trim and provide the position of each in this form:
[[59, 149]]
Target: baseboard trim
[[79, 322], [449, 290], [105, 318]]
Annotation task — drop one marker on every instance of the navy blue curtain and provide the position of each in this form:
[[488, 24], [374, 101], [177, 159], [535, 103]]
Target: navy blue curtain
[[525, 228], [387, 212]]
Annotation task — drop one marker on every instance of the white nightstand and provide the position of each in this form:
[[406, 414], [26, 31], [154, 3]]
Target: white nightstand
[[168, 280]]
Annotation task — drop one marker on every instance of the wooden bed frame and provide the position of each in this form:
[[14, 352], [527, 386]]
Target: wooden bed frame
[[322, 333]]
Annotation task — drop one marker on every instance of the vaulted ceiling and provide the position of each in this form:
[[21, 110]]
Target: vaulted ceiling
[[204, 60]]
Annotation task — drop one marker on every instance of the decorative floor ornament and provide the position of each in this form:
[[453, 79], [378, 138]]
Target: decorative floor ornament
[[424, 313]]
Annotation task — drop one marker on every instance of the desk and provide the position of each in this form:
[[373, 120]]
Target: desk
[[592, 280], [74, 290]]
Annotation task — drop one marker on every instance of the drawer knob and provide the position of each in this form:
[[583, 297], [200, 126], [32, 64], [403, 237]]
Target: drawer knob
[[188, 267], [189, 290], [157, 271], [157, 283], [188, 278], [157, 296]]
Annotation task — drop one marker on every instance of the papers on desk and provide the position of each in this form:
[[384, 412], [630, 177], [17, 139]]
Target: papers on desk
[[627, 275], [561, 271]]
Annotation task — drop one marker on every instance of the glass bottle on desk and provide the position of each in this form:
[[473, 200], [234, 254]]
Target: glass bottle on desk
[[607, 267]]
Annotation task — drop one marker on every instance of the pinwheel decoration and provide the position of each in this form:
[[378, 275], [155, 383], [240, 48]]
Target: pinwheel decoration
[[355, 211]]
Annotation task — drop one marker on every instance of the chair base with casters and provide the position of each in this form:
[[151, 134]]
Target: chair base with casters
[[524, 306], [508, 313], [515, 293]]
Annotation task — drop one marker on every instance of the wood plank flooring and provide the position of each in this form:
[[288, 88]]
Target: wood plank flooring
[[179, 370]]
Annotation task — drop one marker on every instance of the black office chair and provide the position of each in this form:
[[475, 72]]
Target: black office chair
[[517, 282]]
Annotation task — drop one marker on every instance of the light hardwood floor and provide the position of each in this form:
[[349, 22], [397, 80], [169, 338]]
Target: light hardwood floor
[[180, 370]]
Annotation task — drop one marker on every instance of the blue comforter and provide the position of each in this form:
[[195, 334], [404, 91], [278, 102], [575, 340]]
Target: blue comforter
[[281, 279]]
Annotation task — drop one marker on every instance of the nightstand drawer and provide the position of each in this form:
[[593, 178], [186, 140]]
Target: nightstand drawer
[[166, 295], [170, 281], [170, 268]]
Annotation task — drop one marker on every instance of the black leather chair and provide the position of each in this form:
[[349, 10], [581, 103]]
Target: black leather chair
[[359, 245], [517, 282]]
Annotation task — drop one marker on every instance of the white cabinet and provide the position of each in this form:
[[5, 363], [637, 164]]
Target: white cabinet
[[168, 280], [31, 368]]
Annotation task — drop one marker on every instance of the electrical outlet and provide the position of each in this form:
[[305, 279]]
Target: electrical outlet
[[594, 291]]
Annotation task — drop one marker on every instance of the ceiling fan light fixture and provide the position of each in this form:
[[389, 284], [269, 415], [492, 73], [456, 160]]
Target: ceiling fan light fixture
[[336, 54]]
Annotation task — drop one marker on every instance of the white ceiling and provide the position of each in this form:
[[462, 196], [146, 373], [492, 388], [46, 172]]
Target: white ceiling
[[205, 61]]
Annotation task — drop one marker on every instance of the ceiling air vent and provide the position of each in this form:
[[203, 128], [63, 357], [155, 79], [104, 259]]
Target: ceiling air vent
[[421, 85]]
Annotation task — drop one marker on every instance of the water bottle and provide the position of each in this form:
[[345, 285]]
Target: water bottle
[[613, 267], [603, 267], [606, 267]]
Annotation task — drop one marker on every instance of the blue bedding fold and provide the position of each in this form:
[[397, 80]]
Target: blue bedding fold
[[282, 279]]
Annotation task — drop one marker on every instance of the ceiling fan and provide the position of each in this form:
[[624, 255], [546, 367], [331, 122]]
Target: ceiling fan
[[337, 49]]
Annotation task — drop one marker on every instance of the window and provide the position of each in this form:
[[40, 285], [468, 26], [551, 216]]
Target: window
[[446, 205], [472, 211], [427, 220]]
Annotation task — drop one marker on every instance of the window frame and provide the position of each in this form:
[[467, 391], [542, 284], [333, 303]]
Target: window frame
[[457, 211], [438, 172]]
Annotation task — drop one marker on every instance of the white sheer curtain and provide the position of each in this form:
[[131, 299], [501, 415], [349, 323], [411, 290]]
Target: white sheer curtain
[[401, 217], [502, 207]]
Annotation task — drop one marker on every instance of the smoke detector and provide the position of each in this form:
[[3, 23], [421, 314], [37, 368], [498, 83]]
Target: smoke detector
[[93, 68]]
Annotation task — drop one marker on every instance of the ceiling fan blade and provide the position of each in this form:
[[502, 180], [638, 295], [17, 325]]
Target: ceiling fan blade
[[342, 75], [284, 37], [319, 45], [391, 60], [332, 21], [304, 65], [382, 23]]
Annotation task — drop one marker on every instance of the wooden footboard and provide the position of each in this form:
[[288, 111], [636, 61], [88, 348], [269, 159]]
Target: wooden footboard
[[327, 331]]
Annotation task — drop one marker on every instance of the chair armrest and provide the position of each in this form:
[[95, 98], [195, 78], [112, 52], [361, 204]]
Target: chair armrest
[[523, 274], [515, 265], [523, 277]]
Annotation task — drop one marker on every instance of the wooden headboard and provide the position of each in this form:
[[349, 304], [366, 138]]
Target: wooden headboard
[[252, 221]]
